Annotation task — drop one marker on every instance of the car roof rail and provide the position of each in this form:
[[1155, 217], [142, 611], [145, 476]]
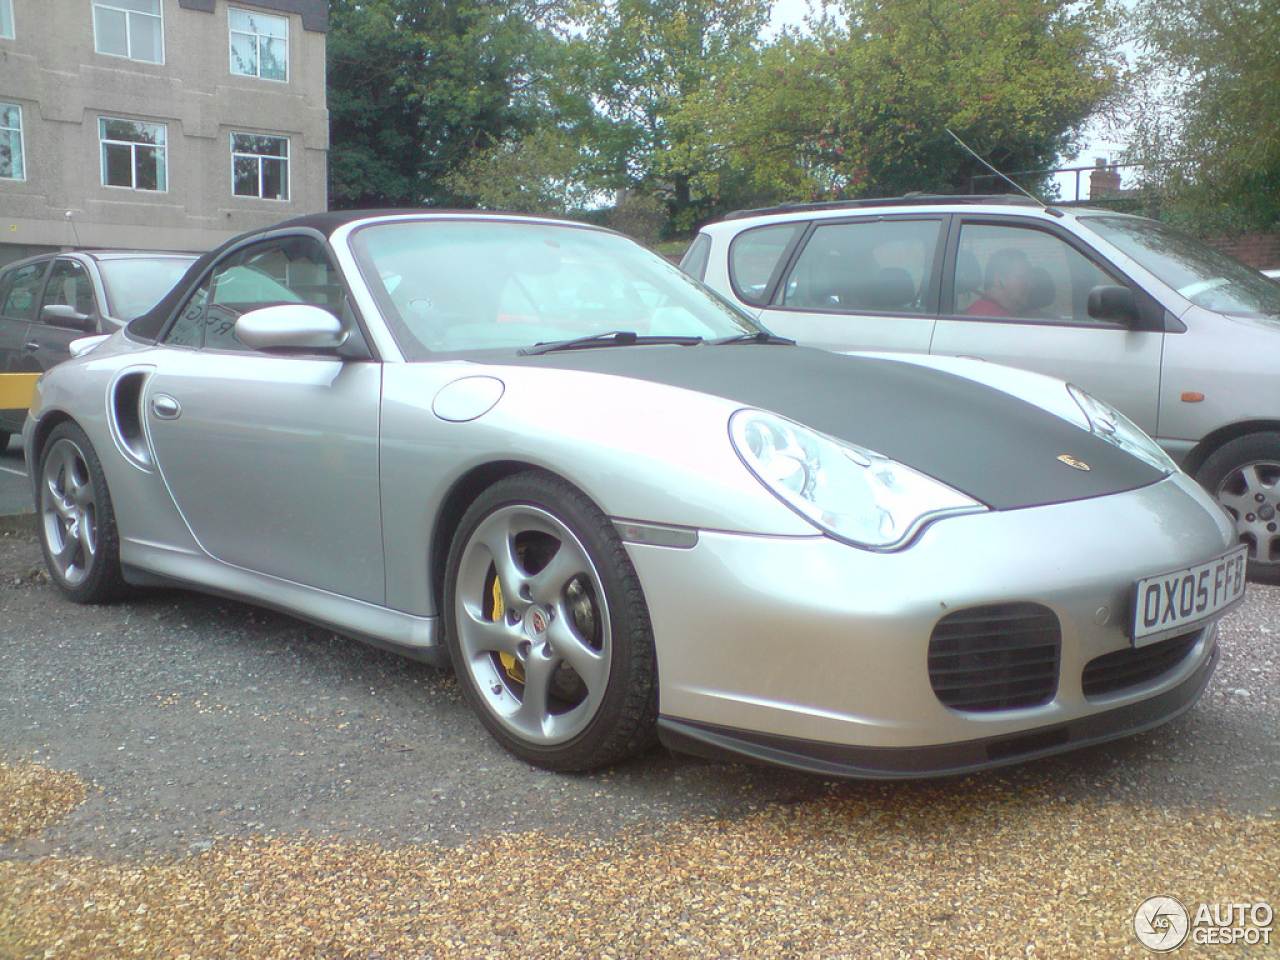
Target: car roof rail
[[914, 198]]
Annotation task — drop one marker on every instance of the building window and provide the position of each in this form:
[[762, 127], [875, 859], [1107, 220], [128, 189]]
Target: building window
[[6, 19], [259, 45], [261, 166], [133, 154], [129, 28], [12, 163]]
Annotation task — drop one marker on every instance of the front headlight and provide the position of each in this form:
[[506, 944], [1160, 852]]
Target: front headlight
[[1111, 425], [853, 494]]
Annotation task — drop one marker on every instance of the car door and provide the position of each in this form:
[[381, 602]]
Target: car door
[[860, 284], [1017, 293], [68, 310], [272, 459], [20, 287]]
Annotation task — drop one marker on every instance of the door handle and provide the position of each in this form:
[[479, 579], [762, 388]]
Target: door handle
[[165, 407], [33, 345]]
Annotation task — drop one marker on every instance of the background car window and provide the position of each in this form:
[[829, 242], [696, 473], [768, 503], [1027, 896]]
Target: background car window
[[23, 288], [874, 266], [1021, 273], [755, 256], [286, 270], [70, 286]]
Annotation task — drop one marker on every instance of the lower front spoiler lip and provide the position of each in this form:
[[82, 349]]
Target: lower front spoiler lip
[[901, 763]]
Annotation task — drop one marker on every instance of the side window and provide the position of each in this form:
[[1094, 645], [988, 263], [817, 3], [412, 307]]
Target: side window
[[755, 256], [69, 286], [134, 154], [1023, 273], [129, 28], [873, 266], [259, 45], [284, 270], [260, 166], [23, 288], [12, 156]]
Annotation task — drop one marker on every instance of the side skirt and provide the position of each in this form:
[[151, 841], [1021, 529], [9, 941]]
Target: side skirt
[[406, 634]]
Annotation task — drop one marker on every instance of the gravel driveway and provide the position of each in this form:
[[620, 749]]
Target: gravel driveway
[[215, 737]]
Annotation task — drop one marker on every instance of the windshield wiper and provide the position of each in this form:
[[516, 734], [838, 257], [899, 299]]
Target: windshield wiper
[[760, 336], [614, 338]]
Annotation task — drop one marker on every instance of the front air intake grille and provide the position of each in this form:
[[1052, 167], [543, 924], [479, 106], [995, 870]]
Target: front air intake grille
[[1114, 672], [1000, 657]]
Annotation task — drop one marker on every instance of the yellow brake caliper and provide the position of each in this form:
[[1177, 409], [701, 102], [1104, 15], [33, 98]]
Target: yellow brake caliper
[[509, 663]]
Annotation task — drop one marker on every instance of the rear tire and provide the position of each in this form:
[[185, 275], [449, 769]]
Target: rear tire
[[547, 626], [1244, 476], [77, 523]]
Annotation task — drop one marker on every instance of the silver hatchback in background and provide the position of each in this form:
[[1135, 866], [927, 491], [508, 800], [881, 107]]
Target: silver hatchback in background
[[1182, 339]]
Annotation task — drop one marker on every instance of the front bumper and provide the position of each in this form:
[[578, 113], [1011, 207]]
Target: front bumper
[[877, 763], [811, 653]]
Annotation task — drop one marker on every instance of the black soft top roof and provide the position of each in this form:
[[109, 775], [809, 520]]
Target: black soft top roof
[[148, 327]]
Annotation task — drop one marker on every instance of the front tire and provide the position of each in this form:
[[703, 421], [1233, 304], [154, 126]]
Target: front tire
[[1244, 476], [77, 523], [547, 626]]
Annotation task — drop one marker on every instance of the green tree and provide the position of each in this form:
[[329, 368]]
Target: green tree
[[418, 86], [638, 61], [863, 106], [1214, 68], [545, 172]]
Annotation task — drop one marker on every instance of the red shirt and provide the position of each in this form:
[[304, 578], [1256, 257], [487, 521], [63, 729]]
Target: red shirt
[[986, 307]]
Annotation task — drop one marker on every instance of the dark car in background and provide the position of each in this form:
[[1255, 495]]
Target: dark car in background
[[50, 300]]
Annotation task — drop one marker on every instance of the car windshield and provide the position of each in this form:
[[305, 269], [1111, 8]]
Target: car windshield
[[136, 284], [460, 285], [1204, 276]]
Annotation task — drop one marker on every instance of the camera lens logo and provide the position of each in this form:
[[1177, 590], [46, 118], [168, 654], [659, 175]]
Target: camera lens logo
[[1161, 924]]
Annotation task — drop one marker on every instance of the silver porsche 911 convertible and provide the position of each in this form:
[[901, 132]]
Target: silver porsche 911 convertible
[[625, 513]]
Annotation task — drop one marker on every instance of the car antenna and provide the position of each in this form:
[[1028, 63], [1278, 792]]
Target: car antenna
[[1001, 175]]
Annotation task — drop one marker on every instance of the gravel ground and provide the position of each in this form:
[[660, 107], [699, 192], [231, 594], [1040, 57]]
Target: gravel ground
[[257, 787]]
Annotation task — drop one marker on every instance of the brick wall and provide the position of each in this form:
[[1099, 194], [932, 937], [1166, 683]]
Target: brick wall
[[1261, 250]]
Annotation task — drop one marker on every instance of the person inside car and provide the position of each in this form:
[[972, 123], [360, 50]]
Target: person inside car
[[1009, 287]]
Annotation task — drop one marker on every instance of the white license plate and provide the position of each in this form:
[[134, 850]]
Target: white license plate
[[1182, 597]]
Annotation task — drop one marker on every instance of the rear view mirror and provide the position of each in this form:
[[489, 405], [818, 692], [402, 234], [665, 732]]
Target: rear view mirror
[[1114, 303], [62, 315], [290, 326]]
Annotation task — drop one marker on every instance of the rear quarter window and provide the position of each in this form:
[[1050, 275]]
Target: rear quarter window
[[694, 261], [756, 259]]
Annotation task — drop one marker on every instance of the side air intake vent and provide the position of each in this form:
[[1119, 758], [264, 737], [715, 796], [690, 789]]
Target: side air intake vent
[[998, 657], [126, 416]]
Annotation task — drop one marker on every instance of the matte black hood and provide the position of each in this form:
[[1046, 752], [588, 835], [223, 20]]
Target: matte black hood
[[994, 447]]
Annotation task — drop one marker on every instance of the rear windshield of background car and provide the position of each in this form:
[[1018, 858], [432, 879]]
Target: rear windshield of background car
[[135, 285], [755, 258], [1204, 276]]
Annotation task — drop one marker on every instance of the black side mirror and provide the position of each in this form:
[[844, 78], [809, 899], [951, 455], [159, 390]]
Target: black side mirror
[[62, 315], [1114, 303]]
